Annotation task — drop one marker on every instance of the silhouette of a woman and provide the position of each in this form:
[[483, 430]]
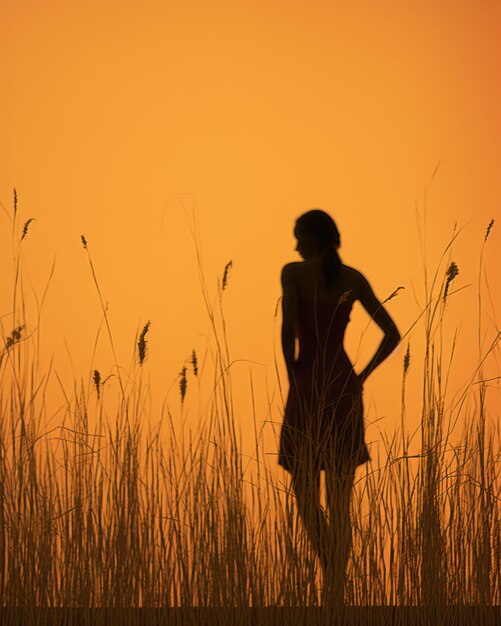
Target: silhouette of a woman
[[323, 426]]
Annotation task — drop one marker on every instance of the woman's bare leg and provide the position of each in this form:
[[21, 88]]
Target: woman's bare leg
[[339, 487], [306, 486]]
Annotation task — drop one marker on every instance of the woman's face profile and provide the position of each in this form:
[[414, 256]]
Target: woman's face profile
[[306, 244]]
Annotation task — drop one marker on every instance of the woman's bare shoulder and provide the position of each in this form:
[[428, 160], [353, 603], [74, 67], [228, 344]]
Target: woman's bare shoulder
[[291, 268], [293, 264], [355, 278]]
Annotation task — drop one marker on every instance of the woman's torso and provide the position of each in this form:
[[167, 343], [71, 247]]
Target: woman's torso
[[323, 314]]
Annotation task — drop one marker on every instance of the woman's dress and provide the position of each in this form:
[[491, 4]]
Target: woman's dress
[[324, 414]]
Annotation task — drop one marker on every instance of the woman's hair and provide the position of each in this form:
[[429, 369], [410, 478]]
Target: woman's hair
[[323, 229]]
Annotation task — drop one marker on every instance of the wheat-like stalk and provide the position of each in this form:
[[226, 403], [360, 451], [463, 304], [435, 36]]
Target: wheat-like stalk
[[489, 227], [225, 274], [392, 295], [183, 383], [25, 227], [194, 362], [452, 272], [141, 344], [97, 382]]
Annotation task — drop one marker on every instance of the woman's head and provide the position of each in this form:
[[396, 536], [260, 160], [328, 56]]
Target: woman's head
[[317, 235], [315, 231]]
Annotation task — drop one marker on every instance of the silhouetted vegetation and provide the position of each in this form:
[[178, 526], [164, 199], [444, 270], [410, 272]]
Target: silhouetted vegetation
[[109, 517]]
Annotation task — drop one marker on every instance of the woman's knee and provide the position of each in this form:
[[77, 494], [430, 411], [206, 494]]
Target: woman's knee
[[339, 488], [306, 487]]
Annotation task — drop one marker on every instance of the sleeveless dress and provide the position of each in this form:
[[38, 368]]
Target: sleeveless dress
[[324, 414]]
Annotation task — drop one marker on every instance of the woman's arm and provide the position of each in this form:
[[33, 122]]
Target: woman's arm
[[289, 316], [379, 314]]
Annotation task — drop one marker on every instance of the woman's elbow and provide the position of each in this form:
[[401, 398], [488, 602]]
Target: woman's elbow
[[394, 337]]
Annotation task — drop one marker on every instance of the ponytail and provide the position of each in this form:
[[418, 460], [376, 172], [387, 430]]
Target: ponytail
[[331, 265]]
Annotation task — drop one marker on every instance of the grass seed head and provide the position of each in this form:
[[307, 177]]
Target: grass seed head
[[141, 344], [225, 273], [183, 383], [15, 202], [393, 294], [344, 296], [11, 340], [14, 337], [491, 224], [25, 228], [194, 362], [407, 359], [452, 272], [276, 306], [84, 242], [97, 382]]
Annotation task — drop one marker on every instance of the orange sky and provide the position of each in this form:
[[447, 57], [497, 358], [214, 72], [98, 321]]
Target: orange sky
[[117, 119]]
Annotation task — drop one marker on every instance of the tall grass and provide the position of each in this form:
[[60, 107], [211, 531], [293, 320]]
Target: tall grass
[[112, 517]]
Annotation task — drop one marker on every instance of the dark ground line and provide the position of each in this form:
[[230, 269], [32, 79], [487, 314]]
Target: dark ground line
[[265, 616]]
